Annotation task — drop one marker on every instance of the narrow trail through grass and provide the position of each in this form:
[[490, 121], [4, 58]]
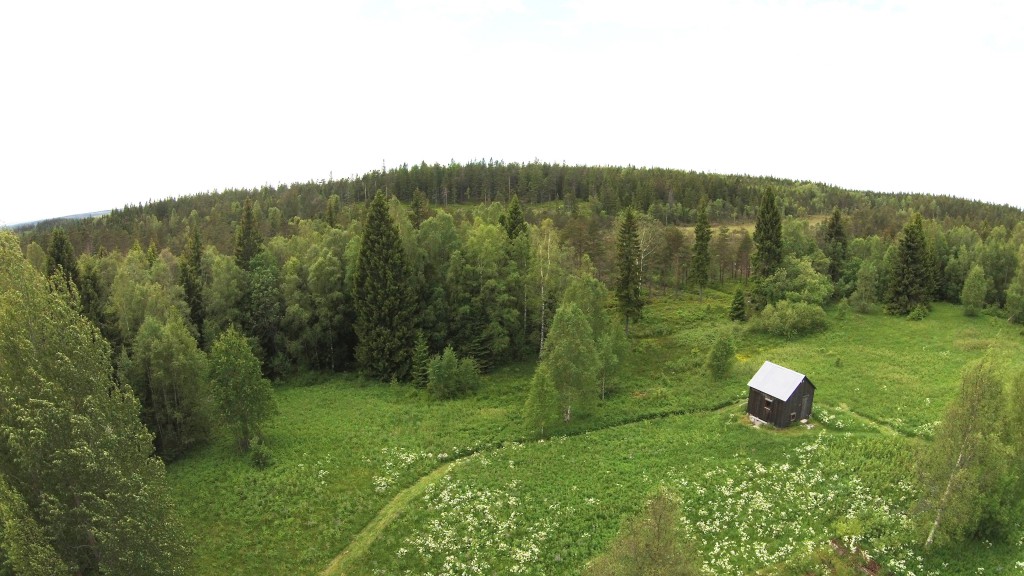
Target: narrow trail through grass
[[361, 542], [387, 514]]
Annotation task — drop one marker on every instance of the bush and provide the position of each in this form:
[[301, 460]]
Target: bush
[[451, 377], [789, 319], [721, 356], [920, 312], [260, 455]]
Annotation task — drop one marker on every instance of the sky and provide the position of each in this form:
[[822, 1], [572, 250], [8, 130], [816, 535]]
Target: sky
[[106, 103]]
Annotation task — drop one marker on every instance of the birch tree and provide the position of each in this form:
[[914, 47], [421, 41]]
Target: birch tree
[[964, 471]]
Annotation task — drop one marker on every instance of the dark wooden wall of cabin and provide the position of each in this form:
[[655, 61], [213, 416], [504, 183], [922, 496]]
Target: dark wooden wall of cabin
[[781, 412]]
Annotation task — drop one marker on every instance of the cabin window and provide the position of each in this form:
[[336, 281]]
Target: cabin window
[[792, 416], [767, 403]]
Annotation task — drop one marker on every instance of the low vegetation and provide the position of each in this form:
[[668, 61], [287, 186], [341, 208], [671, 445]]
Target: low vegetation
[[344, 448]]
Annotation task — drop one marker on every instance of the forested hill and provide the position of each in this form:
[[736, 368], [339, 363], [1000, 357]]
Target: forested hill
[[670, 196]]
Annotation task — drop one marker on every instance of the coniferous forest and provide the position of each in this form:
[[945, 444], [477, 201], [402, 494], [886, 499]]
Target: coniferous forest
[[263, 380]]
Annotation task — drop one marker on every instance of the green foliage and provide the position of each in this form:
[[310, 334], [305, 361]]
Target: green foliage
[[836, 248], [910, 280], [247, 236], [570, 361], [627, 286], [71, 445], [964, 471], [1015, 292], [790, 319], [420, 374], [651, 545], [865, 297], [243, 396], [263, 306], [24, 546], [541, 411], [767, 256], [260, 455], [796, 281], [385, 305], [738, 308], [192, 278], [721, 357], [449, 376], [975, 288], [920, 312], [419, 208], [701, 259], [512, 220], [222, 295], [60, 257], [170, 376]]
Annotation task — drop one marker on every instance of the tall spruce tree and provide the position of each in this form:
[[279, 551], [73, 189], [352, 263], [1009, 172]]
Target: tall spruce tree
[[247, 237], [701, 249], [60, 257], [836, 247], [910, 277], [767, 237], [385, 304], [767, 258], [192, 278], [76, 471], [512, 220], [627, 288]]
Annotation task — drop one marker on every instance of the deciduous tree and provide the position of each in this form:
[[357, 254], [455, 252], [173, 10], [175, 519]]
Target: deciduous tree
[[76, 460], [975, 288], [244, 397], [963, 471]]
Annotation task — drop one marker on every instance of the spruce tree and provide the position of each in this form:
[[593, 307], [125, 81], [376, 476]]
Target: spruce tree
[[60, 257], [385, 303], [767, 258], [909, 278], [836, 247], [767, 237], [627, 288], [738, 310], [420, 362], [701, 252], [512, 220], [247, 237], [192, 278]]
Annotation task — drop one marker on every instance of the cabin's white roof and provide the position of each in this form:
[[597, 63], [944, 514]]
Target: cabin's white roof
[[776, 380]]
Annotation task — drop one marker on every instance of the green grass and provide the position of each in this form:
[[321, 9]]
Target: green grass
[[346, 448]]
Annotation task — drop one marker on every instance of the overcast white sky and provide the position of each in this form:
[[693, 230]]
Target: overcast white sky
[[107, 103]]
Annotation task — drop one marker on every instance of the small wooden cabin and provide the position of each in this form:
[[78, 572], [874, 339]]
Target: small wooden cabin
[[779, 396]]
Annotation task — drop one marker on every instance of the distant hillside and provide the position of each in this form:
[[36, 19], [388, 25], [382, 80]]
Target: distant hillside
[[669, 196], [50, 222]]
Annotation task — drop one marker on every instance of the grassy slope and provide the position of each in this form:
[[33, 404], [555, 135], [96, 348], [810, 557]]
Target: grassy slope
[[344, 449]]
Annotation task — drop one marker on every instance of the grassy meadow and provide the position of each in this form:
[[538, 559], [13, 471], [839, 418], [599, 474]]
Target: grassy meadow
[[752, 499]]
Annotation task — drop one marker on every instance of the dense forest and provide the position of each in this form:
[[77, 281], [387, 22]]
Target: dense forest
[[432, 276]]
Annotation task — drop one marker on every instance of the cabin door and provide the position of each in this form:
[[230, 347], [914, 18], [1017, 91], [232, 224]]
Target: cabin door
[[805, 407]]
